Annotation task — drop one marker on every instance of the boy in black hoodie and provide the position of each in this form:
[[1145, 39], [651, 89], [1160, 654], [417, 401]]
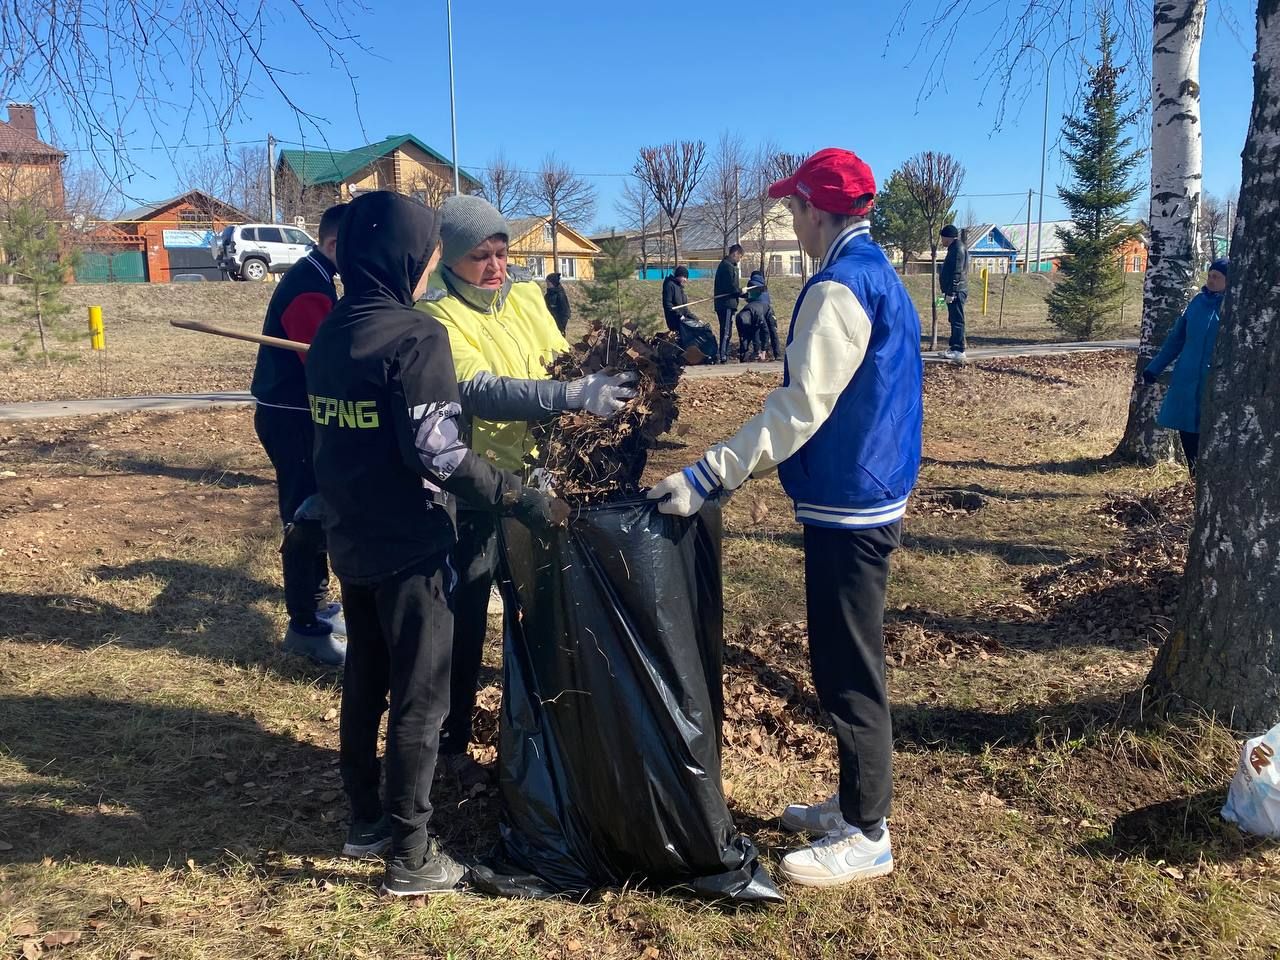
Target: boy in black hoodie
[[390, 456]]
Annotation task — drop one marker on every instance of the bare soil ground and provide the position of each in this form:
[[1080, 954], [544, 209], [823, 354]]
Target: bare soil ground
[[145, 355], [169, 783]]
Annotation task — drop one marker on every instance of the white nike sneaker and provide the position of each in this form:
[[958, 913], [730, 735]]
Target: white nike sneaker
[[815, 819], [842, 856], [955, 356]]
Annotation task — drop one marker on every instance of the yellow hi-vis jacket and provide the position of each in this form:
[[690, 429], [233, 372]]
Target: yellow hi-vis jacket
[[518, 340]]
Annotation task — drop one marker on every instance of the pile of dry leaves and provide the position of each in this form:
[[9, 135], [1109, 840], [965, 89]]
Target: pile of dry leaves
[[590, 460], [1129, 593]]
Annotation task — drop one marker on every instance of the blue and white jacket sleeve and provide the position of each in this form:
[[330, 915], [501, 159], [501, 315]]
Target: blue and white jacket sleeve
[[830, 340]]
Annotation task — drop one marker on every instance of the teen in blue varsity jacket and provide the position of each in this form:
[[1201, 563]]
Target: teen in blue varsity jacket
[[843, 431]]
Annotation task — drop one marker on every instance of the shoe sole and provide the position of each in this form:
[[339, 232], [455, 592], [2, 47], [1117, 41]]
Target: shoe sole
[[869, 874], [795, 826], [366, 850], [388, 892]]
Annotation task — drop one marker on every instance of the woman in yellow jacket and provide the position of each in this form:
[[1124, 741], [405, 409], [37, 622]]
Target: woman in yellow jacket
[[498, 326]]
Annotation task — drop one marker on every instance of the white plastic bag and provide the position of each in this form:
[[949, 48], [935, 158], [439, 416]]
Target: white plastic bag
[[1253, 803]]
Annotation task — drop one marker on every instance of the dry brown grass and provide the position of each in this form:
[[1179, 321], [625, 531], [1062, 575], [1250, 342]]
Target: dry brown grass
[[145, 355], [168, 783]]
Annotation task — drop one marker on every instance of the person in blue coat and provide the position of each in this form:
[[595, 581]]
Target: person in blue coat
[[1191, 345]]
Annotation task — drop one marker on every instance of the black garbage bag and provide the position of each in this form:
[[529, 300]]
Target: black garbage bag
[[609, 743]]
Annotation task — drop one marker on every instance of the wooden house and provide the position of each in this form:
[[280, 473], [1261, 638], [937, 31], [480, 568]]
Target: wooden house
[[310, 180], [530, 246]]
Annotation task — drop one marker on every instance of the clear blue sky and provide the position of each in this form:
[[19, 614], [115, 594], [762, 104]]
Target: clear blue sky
[[599, 80]]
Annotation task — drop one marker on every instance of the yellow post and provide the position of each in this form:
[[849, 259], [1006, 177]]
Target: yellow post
[[986, 278], [97, 337]]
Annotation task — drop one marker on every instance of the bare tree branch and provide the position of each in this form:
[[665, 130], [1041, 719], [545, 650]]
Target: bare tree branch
[[933, 180], [505, 187], [122, 71], [671, 173], [721, 190], [637, 208], [560, 195]]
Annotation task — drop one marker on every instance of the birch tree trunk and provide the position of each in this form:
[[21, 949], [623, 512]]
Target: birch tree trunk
[[1224, 655], [1176, 151]]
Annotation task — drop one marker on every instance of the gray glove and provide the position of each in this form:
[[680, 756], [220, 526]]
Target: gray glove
[[601, 394]]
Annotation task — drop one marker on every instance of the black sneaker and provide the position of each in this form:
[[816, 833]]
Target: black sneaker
[[434, 872], [368, 839]]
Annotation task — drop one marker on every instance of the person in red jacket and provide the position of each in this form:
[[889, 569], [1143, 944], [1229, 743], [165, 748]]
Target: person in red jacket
[[302, 299]]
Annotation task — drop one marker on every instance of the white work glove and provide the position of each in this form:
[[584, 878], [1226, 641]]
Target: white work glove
[[677, 495], [602, 394], [540, 479]]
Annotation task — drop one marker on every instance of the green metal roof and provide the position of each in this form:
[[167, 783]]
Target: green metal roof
[[335, 166]]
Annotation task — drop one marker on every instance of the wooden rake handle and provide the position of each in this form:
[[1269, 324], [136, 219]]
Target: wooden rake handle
[[280, 342]]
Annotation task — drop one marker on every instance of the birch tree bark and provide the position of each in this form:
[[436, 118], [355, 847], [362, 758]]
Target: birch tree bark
[[1176, 152], [1224, 654]]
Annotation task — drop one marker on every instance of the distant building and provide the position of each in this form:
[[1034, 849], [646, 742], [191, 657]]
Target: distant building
[[176, 234], [530, 246], [990, 249], [768, 242], [30, 169], [1132, 254], [309, 180]]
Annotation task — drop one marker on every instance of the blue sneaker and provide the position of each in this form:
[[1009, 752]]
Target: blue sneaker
[[318, 643], [331, 613]]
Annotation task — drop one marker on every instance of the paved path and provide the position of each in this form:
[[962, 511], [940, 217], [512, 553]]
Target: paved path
[[49, 409], [974, 354]]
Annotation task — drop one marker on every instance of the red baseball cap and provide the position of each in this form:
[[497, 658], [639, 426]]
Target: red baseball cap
[[832, 180]]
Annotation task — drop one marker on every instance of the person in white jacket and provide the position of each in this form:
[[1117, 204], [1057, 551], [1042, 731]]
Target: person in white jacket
[[844, 433]]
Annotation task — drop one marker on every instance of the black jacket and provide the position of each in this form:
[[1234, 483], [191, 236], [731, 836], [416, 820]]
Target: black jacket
[[728, 284], [955, 268], [390, 446], [673, 296], [302, 299], [558, 305]]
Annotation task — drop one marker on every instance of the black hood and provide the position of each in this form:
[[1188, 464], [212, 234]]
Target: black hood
[[384, 243]]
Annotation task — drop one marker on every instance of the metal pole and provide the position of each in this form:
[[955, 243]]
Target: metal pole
[[737, 209], [271, 179], [1229, 230], [1044, 137], [1044, 152], [453, 111], [1026, 253]]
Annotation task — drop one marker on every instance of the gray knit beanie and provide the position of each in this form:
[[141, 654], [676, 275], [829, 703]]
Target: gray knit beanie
[[466, 222]]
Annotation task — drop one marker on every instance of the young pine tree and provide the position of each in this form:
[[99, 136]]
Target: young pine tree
[[612, 299], [35, 258], [1088, 295]]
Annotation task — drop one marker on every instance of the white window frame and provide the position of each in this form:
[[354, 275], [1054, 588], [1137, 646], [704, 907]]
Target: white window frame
[[547, 233], [537, 266], [569, 268], [797, 265]]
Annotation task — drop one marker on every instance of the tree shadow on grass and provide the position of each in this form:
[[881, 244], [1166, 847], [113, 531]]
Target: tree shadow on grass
[[1180, 831], [1078, 466], [201, 610], [117, 463], [921, 728], [117, 781]]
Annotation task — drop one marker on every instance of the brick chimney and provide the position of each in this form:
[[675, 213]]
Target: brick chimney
[[22, 116]]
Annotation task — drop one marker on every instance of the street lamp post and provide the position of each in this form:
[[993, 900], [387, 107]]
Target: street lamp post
[[453, 111], [1044, 138]]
